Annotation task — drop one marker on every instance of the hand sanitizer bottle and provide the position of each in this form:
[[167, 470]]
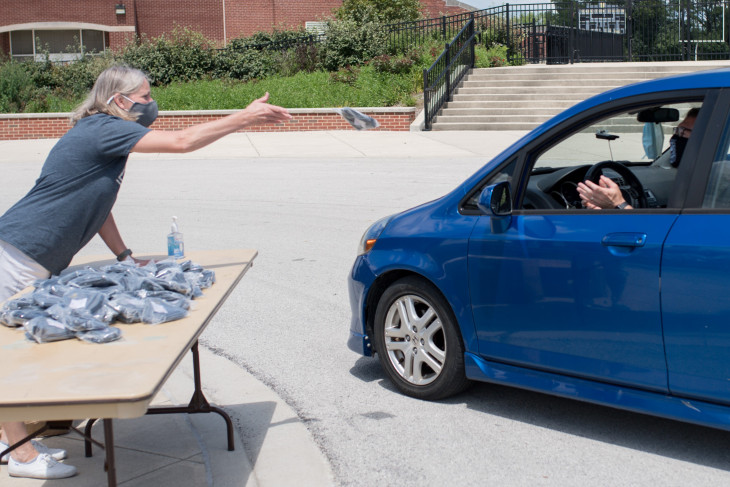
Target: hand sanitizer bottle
[[175, 241]]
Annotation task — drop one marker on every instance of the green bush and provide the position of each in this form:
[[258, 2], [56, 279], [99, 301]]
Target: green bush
[[350, 43], [379, 11], [188, 73], [184, 55], [347, 75], [244, 64], [490, 57], [15, 83], [304, 57], [392, 64]]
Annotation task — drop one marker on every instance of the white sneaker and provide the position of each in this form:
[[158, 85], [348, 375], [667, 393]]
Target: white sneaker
[[55, 453], [42, 467]]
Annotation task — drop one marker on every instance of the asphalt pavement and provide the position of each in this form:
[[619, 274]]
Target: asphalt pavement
[[273, 445]]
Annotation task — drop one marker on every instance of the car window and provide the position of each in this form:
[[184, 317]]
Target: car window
[[638, 138], [620, 137], [504, 173], [717, 193]]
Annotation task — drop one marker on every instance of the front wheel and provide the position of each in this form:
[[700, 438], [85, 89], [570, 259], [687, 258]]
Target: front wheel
[[418, 341]]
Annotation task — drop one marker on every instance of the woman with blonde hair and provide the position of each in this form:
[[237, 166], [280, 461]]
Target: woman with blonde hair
[[72, 200]]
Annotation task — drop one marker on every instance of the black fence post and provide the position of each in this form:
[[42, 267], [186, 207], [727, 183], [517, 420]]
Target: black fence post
[[629, 29], [443, 27], [472, 54], [572, 32], [509, 35], [689, 30], [426, 101], [447, 75]]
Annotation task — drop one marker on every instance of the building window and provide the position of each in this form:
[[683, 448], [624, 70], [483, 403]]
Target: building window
[[61, 45]]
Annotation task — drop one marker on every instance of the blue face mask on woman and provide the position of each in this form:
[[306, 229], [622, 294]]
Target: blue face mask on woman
[[147, 111]]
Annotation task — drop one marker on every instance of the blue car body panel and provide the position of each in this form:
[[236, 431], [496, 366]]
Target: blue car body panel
[[628, 310], [567, 300], [696, 306]]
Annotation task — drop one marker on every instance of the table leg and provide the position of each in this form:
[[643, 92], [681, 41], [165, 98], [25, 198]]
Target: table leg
[[198, 403], [110, 465]]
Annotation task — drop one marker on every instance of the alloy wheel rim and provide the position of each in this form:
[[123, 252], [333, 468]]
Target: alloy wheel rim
[[414, 340]]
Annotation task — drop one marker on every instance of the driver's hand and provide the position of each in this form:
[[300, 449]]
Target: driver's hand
[[604, 195]]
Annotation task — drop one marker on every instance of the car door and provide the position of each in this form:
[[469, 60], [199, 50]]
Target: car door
[[573, 291], [696, 276]]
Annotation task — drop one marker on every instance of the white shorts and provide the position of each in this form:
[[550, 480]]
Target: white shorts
[[17, 271]]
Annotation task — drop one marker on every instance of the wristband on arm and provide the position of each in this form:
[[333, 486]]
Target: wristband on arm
[[123, 254]]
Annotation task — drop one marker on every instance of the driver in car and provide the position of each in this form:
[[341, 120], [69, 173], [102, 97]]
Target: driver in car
[[606, 194]]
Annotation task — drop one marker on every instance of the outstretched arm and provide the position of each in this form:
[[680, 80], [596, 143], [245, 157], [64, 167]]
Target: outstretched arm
[[200, 135]]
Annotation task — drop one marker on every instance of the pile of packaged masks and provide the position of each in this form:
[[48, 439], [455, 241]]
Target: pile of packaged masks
[[84, 303]]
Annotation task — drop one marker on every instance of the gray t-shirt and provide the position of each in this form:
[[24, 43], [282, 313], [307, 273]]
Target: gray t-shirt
[[75, 192]]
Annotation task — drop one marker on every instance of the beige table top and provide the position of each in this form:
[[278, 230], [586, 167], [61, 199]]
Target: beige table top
[[72, 379]]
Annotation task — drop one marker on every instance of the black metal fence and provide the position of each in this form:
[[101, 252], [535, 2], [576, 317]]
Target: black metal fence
[[447, 71], [627, 30]]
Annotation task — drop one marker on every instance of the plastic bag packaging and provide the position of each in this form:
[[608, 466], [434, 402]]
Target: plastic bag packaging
[[44, 329], [128, 306], [19, 303], [19, 317], [171, 297], [72, 321], [93, 279], [357, 119], [173, 279], [157, 310], [203, 279], [45, 299], [65, 278], [89, 303], [53, 285], [103, 335]]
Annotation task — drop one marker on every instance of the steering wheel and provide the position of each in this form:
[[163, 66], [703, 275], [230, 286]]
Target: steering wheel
[[631, 189]]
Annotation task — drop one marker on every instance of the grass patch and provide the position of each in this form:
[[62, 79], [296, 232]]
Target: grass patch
[[364, 88]]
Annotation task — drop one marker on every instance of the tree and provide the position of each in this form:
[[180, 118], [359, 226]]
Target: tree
[[379, 11]]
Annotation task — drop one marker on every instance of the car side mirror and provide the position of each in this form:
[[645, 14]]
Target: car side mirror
[[496, 201]]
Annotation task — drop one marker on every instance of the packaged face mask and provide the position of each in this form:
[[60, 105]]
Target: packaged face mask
[[357, 119]]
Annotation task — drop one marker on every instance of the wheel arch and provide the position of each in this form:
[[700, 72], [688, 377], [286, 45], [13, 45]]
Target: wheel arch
[[382, 283]]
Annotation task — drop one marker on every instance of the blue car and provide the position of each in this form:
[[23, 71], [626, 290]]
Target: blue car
[[515, 278]]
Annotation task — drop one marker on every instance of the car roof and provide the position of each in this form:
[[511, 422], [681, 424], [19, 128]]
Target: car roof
[[713, 78]]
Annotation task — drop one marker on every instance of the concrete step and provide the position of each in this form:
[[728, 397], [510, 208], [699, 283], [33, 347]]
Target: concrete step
[[537, 119], [523, 97], [484, 126], [496, 112], [544, 97], [508, 104], [548, 83], [546, 90]]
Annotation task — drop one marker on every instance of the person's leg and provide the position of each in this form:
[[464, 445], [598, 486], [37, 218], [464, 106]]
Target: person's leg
[[18, 271], [13, 433]]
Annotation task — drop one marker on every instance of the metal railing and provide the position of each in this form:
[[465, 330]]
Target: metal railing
[[440, 80], [553, 33]]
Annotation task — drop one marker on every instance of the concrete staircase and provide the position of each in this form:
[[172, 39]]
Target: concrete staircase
[[523, 97]]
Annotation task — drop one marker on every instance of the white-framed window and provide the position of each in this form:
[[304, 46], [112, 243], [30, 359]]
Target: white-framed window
[[61, 45]]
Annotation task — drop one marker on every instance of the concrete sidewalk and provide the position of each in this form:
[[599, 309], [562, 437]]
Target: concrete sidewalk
[[325, 144], [273, 445]]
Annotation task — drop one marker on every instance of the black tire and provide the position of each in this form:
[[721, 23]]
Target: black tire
[[418, 340]]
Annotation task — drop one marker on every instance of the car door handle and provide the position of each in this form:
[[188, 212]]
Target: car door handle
[[624, 240]]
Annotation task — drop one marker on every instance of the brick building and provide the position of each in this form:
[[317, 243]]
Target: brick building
[[106, 24]]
